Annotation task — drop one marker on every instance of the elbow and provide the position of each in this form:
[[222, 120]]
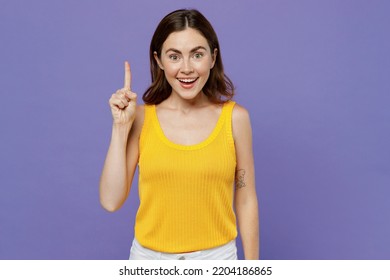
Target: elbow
[[109, 206], [247, 204], [107, 201]]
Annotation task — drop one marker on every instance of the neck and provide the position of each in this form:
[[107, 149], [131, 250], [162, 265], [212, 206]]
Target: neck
[[176, 102]]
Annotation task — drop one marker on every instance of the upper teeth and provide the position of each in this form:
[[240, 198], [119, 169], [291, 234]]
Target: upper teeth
[[187, 80]]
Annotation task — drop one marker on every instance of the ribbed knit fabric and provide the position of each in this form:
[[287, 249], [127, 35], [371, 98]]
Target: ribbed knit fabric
[[186, 191]]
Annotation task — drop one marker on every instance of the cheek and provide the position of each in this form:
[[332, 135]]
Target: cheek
[[171, 71], [205, 66], [204, 70]]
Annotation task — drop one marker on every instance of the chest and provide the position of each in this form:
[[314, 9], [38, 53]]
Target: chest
[[188, 129]]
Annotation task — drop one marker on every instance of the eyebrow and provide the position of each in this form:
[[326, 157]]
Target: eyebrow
[[193, 50]]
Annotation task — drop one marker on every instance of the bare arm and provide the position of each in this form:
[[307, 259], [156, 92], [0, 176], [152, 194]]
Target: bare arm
[[122, 155], [245, 200], [120, 164]]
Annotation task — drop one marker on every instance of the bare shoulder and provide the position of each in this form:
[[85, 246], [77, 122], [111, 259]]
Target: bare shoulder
[[240, 121], [240, 113], [139, 119], [140, 112]]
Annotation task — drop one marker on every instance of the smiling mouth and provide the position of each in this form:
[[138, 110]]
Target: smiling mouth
[[187, 81]]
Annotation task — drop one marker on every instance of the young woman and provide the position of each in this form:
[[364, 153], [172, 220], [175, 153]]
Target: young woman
[[192, 145]]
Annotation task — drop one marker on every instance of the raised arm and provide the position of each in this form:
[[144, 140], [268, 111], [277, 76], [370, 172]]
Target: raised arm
[[245, 199], [122, 155]]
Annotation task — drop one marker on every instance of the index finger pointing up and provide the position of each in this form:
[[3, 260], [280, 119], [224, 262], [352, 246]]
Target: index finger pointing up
[[127, 76]]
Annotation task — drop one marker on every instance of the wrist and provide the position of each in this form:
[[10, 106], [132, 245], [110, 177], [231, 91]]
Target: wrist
[[122, 126], [121, 131]]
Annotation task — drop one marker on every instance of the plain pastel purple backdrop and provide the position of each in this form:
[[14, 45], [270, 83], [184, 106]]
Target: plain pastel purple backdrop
[[314, 75]]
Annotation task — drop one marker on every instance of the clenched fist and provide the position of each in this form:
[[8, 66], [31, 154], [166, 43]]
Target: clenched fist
[[123, 102]]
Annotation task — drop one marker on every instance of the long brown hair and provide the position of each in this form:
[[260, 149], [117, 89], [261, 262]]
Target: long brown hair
[[218, 87]]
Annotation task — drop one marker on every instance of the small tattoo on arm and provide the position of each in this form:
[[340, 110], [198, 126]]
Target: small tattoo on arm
[[240, 180]]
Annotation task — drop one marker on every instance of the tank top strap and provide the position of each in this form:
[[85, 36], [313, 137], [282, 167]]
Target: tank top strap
[[147, 125], [148, 112], [149, 118], [228, 113]]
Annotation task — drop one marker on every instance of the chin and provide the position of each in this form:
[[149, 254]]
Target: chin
[[187, 94]]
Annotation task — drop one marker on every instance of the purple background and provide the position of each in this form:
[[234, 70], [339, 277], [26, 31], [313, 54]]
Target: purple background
[[313, 74]]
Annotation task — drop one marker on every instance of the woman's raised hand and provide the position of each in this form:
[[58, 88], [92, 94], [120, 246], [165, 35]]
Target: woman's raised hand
[[123, 102]]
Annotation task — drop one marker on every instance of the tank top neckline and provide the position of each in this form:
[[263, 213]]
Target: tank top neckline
[[199, 145]]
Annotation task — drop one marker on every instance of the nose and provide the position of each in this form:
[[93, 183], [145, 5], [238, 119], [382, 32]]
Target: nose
[[186, 67]]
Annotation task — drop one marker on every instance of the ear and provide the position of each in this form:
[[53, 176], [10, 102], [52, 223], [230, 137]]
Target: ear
[[215, 53], [158, 60]]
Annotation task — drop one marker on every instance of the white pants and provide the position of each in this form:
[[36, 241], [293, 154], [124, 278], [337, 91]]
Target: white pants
[[224, 252]]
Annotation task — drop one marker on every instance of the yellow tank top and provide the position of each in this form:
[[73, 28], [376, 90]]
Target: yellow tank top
[[186, 191]]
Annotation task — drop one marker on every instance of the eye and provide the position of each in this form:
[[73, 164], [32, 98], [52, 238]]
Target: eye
[[173, 57], [198, 55]]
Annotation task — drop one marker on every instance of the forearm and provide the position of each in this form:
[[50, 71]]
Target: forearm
[[114, 182], [248, 222]]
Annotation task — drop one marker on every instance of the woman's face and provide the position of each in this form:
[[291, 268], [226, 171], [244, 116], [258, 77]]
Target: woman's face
[[186, 59]]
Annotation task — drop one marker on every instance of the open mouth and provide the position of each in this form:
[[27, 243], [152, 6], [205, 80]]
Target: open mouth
[[187, 81]]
